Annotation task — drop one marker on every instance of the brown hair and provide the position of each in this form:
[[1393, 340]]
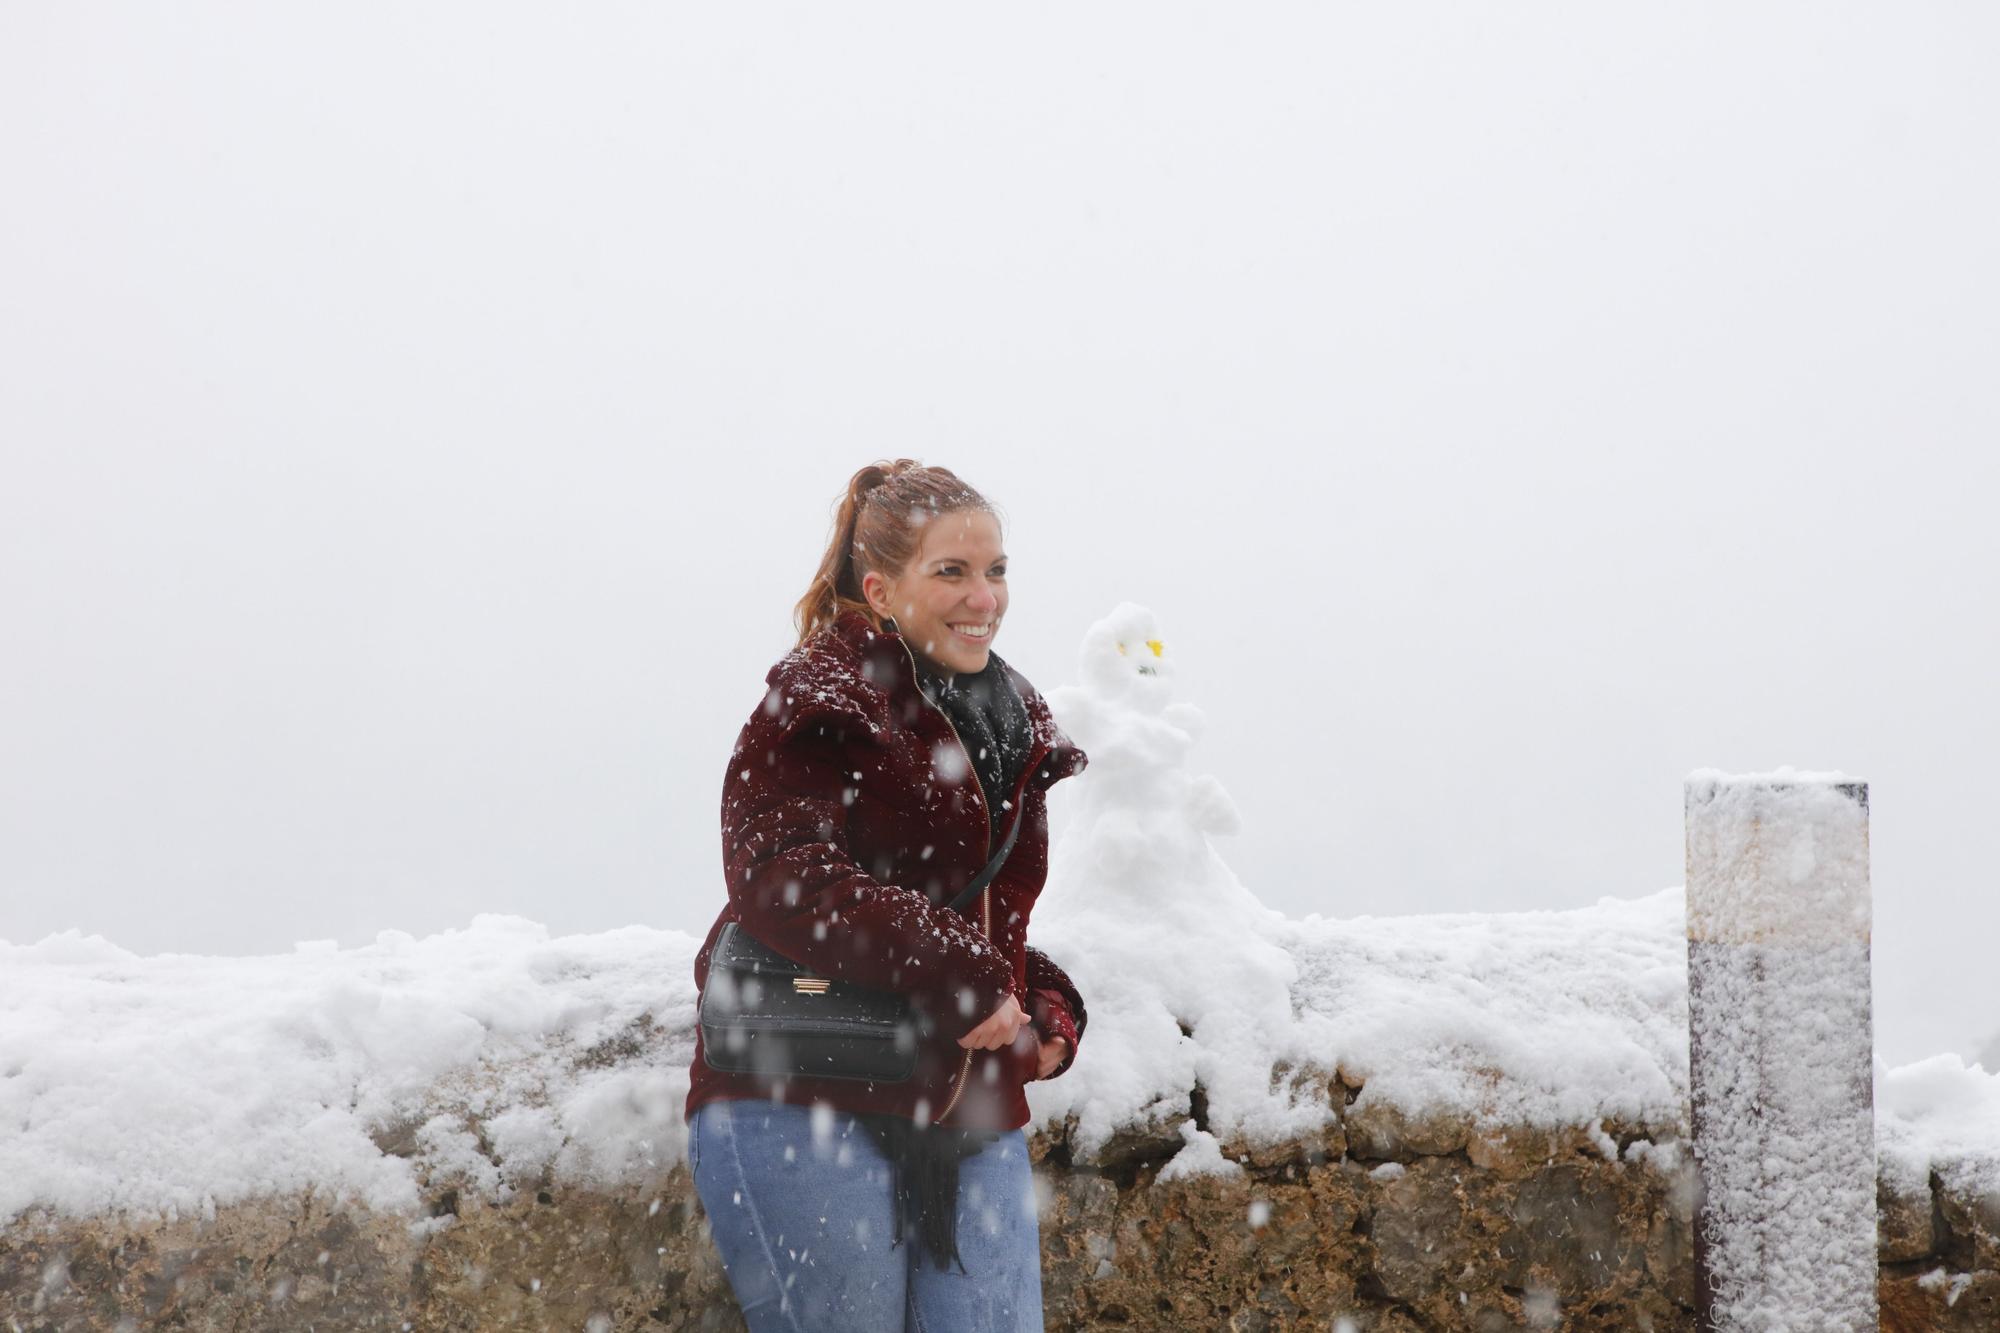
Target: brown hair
[[878, 524]]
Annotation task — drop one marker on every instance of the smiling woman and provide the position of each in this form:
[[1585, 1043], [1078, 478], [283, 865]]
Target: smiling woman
[[950, 603], [885, 837]]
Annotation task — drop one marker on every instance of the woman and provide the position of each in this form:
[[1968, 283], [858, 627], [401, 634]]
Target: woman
[[888, 761]]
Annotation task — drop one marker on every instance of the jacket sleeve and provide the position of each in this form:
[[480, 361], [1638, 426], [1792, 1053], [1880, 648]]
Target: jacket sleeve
[[795, 887], [1055, 1005]]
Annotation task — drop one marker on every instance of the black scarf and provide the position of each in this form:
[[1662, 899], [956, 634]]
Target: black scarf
[[990, 718], [993, 722]]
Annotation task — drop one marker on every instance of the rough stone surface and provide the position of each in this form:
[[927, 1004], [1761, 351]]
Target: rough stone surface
[[1904, 1227], [1937, 1300], [546, 1261], [1971, 1226], [1383, 1131], [1521, 1229]]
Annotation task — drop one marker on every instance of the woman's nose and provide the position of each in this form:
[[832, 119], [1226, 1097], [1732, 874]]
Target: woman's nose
[[982, 597]]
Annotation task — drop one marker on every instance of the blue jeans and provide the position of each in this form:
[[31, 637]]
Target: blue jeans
[[798, 1199]]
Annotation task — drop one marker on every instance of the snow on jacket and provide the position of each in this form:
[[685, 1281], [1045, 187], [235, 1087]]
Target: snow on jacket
[[850, 815]]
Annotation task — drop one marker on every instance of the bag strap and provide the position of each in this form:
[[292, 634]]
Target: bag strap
[[985, 877]]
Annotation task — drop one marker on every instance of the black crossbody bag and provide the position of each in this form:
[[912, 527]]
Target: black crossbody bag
[[762, 1013]]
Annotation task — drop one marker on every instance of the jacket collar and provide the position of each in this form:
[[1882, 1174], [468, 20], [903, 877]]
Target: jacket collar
[[886, 661], [889, 663]]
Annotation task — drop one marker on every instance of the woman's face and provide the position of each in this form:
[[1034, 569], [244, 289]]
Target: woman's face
[[956, 582]]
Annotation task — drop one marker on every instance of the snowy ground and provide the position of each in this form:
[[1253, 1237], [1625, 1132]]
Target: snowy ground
[[175, 1083]]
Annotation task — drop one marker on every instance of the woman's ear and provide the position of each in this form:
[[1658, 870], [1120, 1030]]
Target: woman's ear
[[876, 591]]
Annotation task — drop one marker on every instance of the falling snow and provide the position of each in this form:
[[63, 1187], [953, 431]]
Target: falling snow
[[175, 1083]]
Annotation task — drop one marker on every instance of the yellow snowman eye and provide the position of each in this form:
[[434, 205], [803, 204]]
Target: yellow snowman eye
[[1157, 647]]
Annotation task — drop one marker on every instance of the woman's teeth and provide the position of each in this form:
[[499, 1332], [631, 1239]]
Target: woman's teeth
[[974, 631]]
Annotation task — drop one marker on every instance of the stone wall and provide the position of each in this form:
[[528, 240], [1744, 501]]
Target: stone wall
[[1386, 1222]]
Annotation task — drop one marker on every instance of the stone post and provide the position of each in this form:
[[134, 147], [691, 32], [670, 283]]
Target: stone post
[[1781, 1045]]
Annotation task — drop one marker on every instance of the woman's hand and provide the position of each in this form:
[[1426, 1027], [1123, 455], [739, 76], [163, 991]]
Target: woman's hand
[[1055, 1050], [999, 1029]]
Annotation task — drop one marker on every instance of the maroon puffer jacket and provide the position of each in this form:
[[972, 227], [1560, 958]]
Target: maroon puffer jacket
[[850, 813]]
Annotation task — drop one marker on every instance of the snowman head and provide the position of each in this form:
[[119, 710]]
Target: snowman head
[[1125, 656]]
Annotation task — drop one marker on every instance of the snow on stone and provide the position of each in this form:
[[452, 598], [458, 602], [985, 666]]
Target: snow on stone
[[488, 1056], [1953, 1285], [1940, 1115], [175, 1083], [1201, 1157]]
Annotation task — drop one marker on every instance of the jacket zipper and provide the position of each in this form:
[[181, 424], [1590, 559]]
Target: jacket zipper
[[986, 853]]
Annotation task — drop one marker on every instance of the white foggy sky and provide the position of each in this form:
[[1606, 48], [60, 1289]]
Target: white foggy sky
[[419, 420]]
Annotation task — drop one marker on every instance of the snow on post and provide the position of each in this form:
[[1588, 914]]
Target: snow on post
[[1781, 1050]]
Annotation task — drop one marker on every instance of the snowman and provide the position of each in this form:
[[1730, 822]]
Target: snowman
[[1181, 966]]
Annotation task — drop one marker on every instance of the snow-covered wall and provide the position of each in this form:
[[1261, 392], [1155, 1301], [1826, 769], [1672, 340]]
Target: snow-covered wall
[[484, 1128], [177, 1083], [1407, 1075]]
